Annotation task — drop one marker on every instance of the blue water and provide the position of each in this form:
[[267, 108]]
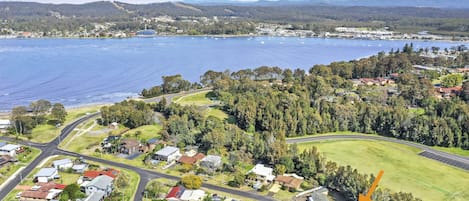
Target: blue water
[[83, 71]]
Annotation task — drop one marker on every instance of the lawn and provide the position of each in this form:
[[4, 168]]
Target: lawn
[[403, 169], [216, 113], [454, 150], [45, 133], [147, 132], [197, 99]]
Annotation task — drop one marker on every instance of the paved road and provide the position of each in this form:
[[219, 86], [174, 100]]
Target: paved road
[[450, 159], [50, 149]]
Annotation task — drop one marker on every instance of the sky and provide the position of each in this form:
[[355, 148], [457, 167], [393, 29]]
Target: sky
[[127, 1]]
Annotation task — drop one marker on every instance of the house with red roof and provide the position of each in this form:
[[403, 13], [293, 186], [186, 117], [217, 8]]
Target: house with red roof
[[91, 174], [175, 193]]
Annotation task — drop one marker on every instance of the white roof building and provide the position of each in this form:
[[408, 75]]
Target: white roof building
[[192, 195], [63, 164], [263, 173], [4, 123], [9, 149]]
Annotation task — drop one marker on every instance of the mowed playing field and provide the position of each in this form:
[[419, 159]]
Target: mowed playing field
[[403, 169]]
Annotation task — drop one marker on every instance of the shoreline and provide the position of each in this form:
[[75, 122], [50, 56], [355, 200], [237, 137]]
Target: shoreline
[[232, 36]]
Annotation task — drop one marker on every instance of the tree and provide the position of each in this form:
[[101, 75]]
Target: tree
[[465, 91], [22, 123], [452, 80], [191, 181], [58, 112], [39, 108], [71, 192]]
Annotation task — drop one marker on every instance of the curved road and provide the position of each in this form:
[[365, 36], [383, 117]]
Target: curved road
[[50, 149], [450, 159]]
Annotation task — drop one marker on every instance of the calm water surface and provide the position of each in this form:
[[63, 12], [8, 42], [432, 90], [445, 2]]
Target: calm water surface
[[83, 71]]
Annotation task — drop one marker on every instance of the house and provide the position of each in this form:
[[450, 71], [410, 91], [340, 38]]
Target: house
[[262, 173], [9, 149], [46, 174], [191, 160], [108, 141], [4, 125], [289, 181], [102, 183], [129, 146], [92, 174], [62, 164], [44, 191], [150, 145], [449, 92], [95, 196], [211, 162], [168, 154], [192, 195], [175, 193], [319, 194], [80, 168]]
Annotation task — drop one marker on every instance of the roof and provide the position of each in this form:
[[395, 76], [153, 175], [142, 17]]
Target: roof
[[175, 192], [60, 186], [95, 196], [152, 141], [199, 156], [187, 160], [10, 147], [129, 143], [101, 182], [2, 144], [260, 169], [290, 182], [5, 122], [62, 162], [46, 172], [79, 166], [192, 195], [35, 194], [167, 151], [212, 158], [94, 173]]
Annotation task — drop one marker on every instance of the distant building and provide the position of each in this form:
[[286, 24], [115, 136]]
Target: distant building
[[146, 33], [9, 149], [168, 154], [62, 164], [192, 195], [175, 193], [92, 174], [129, 146], [211, 162], [263, 174], [114, 125], [96, 196], [4, 125], [46, 174], [191, 160]]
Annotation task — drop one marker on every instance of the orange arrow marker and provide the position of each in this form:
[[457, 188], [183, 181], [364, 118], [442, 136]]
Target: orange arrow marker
[[367, 197]]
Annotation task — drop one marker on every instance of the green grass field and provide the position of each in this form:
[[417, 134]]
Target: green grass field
[[403, 169], [194, 99], [147, 132]]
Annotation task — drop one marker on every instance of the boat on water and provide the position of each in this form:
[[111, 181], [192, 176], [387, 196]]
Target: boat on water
[[146, 33]]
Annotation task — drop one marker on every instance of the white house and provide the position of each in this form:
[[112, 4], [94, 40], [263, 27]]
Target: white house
[[46, 174], [96, 196], [62, 164], [79, 168], [102, 183], [263, 174], [168, 154], [9, 149]]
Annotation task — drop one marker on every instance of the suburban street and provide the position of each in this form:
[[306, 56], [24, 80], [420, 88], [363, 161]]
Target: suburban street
[[447, 158], [51, 148]]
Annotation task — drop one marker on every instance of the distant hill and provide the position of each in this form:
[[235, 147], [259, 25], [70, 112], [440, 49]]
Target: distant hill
[[292, 12]]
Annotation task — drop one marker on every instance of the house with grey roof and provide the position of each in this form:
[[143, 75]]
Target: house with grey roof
[[211, 161], [168, 154], [102, 183], [46, 174], [9, 149], [62, 164], [80, 168]]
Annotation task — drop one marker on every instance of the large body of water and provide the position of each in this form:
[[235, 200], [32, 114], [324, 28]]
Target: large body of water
[[83, 71]]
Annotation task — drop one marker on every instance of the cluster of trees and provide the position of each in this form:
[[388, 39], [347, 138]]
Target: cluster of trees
[[452, 80], [25, 118], [71, 192], [131, 114], [294, 103], [171, 84]]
